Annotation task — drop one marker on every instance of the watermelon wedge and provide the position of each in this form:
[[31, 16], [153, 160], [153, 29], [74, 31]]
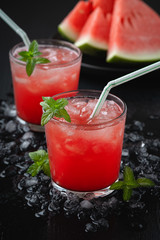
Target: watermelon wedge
[[94, 36], [72, 24], [105, 5], [135, 33]]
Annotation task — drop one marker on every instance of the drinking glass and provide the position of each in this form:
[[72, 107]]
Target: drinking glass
[[60, 75], [85, 157]]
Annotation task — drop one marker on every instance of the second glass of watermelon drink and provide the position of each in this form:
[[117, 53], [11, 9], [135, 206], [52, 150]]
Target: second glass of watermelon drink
[[85, 154], [60, 75]]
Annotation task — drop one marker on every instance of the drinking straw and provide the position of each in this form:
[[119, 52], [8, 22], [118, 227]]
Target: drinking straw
[[15, 27], [119, 81]]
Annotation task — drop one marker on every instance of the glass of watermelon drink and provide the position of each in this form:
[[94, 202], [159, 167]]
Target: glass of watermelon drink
[[85, 154], [60, 75]]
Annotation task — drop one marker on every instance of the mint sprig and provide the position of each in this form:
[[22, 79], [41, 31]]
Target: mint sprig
[[54, 108], [31, 57], [41, 163], [129, 183]]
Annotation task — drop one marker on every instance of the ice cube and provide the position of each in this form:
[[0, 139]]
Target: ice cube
[[102, 222], [11, 126], [125, 153], [137, 205], [154, 116], [71, 206], [86, 204], [3, 174], [112, 202], [137, 125], [20, 80], [73, 110], [41, 213], [74, 76], [28, 135], [24, 145], [154, 158], [12, 159], [23, 127], [9, 109], [91, 227], [32, 199], [54, 207], [156, 143], [31, 181], [10, 146], [54, 78], [74, 148], [135, 137]]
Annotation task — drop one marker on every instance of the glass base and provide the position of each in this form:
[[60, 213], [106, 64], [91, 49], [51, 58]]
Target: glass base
[[33, 127], [85, 195]]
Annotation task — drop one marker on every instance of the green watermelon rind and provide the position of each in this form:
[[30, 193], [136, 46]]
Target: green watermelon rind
[[91, 46], [92, 50], [65, 33], [118, 59], [125, 58]]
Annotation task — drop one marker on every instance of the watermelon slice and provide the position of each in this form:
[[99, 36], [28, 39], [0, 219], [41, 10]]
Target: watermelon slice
[[105, 5], [94, 36], [72, 24], [135, 33]]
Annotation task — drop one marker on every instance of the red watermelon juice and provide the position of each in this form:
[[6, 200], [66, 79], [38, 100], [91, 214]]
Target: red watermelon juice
[[60, 75], [85, 154]]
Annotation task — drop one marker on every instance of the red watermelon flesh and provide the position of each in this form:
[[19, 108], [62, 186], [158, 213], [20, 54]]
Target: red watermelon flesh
[[135, 32], [95, 33], [72, 24], [105, 5]]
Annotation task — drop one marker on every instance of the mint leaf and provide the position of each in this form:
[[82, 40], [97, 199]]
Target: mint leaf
[[127, 193], [30, 66], [117, 185], [41, 163], [129, 178], [33, 47], [61, 102], [24, 54], [53, 108], [31, 57], [49, 102], [128, 175], [34, 169], [64, 114], [38, 155], [145, 182], [46, 168], [40, 60], [46, 116]]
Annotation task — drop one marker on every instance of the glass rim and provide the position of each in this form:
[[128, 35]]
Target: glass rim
[[109, 122], [51, 42]]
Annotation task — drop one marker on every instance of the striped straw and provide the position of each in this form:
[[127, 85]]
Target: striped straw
[[15, 27], [119, 81]]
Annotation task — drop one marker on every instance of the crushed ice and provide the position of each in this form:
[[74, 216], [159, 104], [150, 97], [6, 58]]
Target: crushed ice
[[141, 151]]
